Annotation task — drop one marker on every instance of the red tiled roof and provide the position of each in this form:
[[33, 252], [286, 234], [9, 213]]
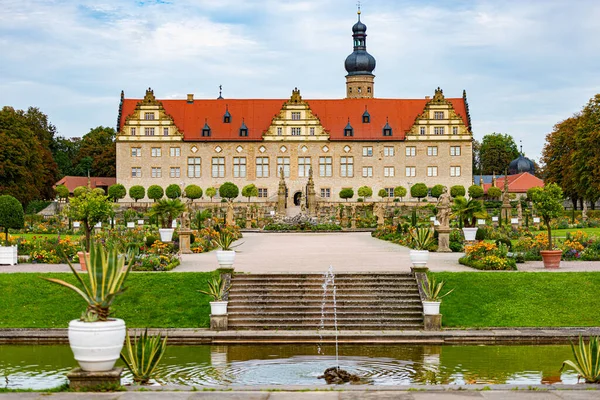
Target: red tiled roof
[[71, 182], [518, 183], [258, 114]]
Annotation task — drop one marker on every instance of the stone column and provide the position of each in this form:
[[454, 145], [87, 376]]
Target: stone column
[[185, 241], [248, 217], [281, 195], [311, 195]]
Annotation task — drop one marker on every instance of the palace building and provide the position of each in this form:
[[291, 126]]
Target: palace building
[[351, 142]]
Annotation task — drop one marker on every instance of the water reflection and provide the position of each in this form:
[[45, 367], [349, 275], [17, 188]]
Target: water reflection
[[39, 367]]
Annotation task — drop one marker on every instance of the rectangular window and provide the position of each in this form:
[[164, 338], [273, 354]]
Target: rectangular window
[[149, 116], [218, 167], [367, 172], [325, 166], [295, 115], [279, 131], [432, 150], [136, 152], [132, 131], [136, 172], [296, 131], [455, 150], [431, 171], [303, 166], [175, 172], [411, 151], [438, 115], [194, 167], [388, 172], [149, 131], [239, 167], [455, 130], [422, 130], [388, 151], [367, 151], [283, 162], [262, 167], [312, 131], [165, 131], [326, 192], [454, 171], [156, 151], [390, 191], [175, 151], [346, 167], [411, 171], [438, 130], [263, 192], [156, 172]]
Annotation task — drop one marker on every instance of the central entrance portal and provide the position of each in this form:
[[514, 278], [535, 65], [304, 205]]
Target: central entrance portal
[[297, 198]]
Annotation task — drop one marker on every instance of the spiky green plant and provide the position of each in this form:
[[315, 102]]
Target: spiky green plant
[[587, 360], [142, 355], [217, 288], [106, 273], [433, 289], [421, 238], [225, 240]]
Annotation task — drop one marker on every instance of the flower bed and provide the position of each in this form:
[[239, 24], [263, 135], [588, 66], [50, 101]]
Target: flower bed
[[302, 227], [488, 256], [160, 257]]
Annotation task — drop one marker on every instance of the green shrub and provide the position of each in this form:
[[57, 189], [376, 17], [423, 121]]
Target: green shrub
[[457, 190], [150, 239], [80, 190], [61, 191], [437, 191], [35, 206], [155, 192], [173, 191], [419, 190], [346, 193], [481, 234], [137, 192], [116, 192], [475, 191], [11, 214], [505, 241], [229, 190], [193, 192]]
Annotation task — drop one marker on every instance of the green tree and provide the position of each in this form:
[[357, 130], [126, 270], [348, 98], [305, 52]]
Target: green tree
[[382, 193], [89, 208], [137, 192], [497, 150], [116, 192], [476, 161], [166, 210], [467, 211], [346, 193], [62, 192], [229, 191], [11, 215], [80, 190], [586, 159], [475, 191], [193, 192], [250, 191], [98, 190], [155, 192], [399, 191], [365, 192], [97, 151], [211, 192], [494, 193], [437, 191], [64, 151], [173, 191], [457, 190], [419, 190], [548, 204]]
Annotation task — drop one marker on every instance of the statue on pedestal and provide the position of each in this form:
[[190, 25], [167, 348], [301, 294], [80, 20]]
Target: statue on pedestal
[[443, 209], [584, 210]]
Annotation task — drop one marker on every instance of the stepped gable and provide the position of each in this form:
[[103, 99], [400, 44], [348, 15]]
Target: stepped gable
[[257, 115]]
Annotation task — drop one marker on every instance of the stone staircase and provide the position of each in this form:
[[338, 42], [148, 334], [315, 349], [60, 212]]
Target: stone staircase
[[293, 302]]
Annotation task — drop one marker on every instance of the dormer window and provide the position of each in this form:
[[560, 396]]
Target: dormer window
[[205, 130], [348, 130], [366, 117], [243, 129], [227, 116], [387, 129]]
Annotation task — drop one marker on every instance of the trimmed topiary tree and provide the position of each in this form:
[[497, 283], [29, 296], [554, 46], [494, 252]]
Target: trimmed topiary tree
[[11, 215], [229, 191], [155, 192], [494, 193], [437, 191], [79, 190], [548, 204], [90, 208], [419, 190], [475, 191], [137, 192], [193, 192], [457, 190], [399, 191], [211, 192], [346, 193], [116, 192], [99, 191], [62, 192], [173, 191], [365, 192], [382, 193], [250, 191]]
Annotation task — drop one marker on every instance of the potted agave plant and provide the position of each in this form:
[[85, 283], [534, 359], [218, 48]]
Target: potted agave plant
[[167, 210], [95, 338], [217, 289], [421, 240], [548, 203], [224, 240], [468, 211], [433, 295], [142, 355]]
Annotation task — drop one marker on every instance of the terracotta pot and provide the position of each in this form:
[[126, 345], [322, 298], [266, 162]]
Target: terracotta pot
[[551, 258], [82, 260]]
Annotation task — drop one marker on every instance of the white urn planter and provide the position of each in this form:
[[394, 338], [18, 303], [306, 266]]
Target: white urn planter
[[218, 307], [8, 255], [225, 258], [431, 307], [97, 345], [166, 234], [470, 234], [419, 258]]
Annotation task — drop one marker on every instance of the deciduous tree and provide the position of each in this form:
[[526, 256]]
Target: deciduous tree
[[496, 152]]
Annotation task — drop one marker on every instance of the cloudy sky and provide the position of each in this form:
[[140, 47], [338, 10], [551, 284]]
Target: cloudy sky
[[525, 64]]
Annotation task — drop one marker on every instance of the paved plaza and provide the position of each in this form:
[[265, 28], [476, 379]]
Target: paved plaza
[[315, 252]]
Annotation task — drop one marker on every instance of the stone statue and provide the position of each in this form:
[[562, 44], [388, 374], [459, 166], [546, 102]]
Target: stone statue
[[584, 210], [519, 211], [443, 209], [229, 219], [379, 211], [185, 220], [302, 203]]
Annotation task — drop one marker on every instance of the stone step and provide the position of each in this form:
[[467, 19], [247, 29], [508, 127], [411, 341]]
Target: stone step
[[319, 297], [320, 280], [295, 303], [416, 314], [319, 287], [352, 327], [310, 308]]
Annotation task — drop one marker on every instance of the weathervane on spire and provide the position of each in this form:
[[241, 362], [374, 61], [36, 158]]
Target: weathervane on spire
[[220, 91], [521, 144], [358, 12]]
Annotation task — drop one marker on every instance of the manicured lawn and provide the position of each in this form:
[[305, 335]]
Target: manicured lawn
[[157, 300], [28, 236], [513, 299], [563, 232]]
